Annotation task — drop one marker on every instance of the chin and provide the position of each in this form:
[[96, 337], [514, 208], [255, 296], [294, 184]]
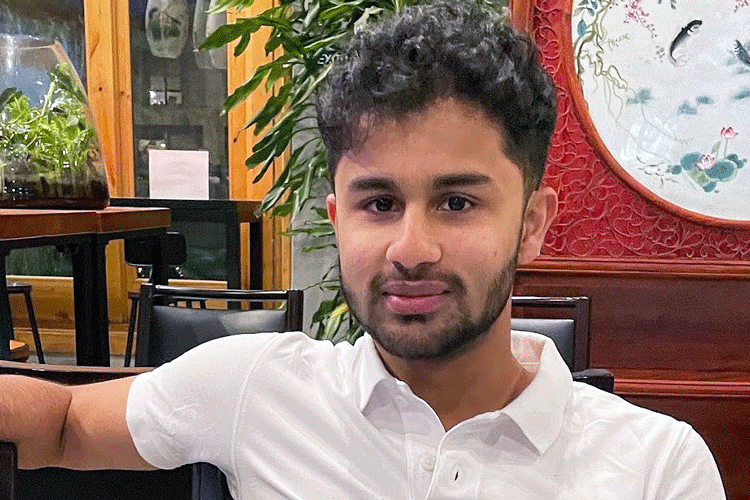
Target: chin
[[423, 337]]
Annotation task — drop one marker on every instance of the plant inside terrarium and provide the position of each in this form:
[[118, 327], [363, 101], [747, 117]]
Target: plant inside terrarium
[[49, 155]]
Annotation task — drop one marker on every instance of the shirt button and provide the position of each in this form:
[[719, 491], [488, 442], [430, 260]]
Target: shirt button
[[428, 463]]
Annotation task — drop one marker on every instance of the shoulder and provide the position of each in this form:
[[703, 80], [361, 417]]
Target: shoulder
[[592, 408], [668, 455], [238, 355]]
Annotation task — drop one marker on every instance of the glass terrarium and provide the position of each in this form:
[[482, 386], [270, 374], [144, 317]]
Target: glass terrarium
[[49, 147]]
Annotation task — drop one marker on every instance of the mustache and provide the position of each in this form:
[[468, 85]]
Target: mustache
[[419, 273]]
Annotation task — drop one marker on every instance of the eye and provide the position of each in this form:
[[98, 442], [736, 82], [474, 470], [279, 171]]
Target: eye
[[455, 204], [382, 204]]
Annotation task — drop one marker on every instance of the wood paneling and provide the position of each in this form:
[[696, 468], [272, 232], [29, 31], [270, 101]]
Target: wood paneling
[[674, 319]]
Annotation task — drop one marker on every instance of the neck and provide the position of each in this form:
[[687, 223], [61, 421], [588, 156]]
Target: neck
[[484, 378]]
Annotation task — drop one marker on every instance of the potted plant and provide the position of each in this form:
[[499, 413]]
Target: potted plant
[[49, 149]]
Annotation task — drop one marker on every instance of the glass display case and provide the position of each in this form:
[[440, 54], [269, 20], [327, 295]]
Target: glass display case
[[49, 146], [178, 97], [63, 21]]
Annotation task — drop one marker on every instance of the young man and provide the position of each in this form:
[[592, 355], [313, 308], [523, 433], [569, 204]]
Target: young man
[[437, 122]]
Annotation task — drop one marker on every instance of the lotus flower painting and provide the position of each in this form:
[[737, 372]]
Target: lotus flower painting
[[667, 87]]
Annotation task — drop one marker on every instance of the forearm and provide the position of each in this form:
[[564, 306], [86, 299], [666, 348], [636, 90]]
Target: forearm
[[32, 415]]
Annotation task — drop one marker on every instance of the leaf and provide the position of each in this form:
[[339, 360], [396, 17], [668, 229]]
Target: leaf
[[225, 34], [715, 148], [332, 326], [313, 248], [273, 107], [333, 12], [277, 71], [326, 42], [244, 90], [242, 44], [312, 85], [282, 210], [273, 43], [362, 21], [311, 14], [581, 27], [7, 95]]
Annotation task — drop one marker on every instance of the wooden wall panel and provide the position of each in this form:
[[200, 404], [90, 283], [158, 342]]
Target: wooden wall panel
[[658, 322]]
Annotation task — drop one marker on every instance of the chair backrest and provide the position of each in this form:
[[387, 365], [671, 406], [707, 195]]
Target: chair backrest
[[165, 330], [564, 319], [52, 483]]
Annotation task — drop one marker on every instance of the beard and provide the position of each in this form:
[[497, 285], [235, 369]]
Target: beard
[[457, 331]]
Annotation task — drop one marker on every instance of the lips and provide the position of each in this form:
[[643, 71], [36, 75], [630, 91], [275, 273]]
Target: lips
[[414, 297]]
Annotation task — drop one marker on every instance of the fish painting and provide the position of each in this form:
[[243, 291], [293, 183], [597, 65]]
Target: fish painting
[[741, 53], [689, 29]]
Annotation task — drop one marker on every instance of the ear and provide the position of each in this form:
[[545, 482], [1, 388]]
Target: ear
[[331, 207], [541, 210]]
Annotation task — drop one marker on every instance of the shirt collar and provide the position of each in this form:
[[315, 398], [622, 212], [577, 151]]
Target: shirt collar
[[370, 370], [538, 411]]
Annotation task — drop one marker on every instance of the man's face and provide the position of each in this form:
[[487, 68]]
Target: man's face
[[428, 215]]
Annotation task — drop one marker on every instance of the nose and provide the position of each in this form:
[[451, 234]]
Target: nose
[[414, 244]]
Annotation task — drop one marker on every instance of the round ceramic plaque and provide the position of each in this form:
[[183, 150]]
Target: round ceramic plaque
[[667, 88]]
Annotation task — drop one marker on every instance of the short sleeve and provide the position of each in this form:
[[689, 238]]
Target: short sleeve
[[692, 474], [184, 411]]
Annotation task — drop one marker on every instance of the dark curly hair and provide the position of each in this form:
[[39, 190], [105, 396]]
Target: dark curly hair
[[446, 49]]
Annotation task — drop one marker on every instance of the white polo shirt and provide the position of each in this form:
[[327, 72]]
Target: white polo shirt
[[288, 417]]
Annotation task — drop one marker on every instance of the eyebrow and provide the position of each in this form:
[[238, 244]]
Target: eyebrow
[[372, 184], [442, 182], [458, 180]]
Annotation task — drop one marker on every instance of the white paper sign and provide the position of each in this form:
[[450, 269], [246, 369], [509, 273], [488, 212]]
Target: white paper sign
[[176, 174]]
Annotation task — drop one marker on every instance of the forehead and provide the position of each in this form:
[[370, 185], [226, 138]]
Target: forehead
[[449, 138]]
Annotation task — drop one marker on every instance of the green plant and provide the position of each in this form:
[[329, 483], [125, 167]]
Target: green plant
[[306, 34], [53, 140]]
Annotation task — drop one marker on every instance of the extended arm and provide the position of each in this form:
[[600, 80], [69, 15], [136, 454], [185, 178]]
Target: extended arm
[[81, 427]]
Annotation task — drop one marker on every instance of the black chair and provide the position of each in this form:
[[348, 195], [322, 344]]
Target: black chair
[[139, 253], [25, 290], [166, 330], [53, 483], [566, 321]]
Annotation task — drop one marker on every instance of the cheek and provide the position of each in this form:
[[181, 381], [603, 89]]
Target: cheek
[[481, 254], [359, 255]]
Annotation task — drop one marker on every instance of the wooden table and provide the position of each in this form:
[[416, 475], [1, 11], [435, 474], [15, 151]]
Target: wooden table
[[84, 234]]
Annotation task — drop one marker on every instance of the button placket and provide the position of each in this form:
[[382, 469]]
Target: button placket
[[427, 463]]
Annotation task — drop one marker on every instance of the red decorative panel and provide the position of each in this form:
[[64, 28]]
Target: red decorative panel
[[600, 215]]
